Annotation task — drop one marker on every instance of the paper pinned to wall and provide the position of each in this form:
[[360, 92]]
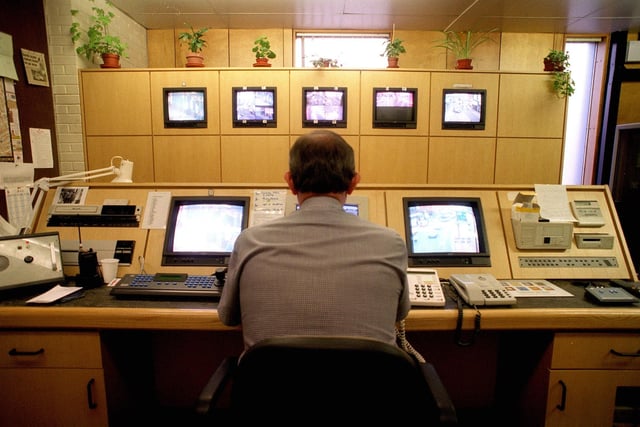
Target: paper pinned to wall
[[41, 149], [267, 205], [7, 66]]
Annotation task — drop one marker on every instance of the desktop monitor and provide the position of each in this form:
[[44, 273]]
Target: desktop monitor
[[201, 230], [185, 107], [464, 108], [254, 106], [355, 205], [324, 107], [395, 107], [30, 259], [445, 232]]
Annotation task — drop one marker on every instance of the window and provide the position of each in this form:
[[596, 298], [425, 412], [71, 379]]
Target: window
[[350, 50]]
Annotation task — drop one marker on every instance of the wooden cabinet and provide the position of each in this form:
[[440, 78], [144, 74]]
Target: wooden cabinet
[[51, 379], [588, 372]]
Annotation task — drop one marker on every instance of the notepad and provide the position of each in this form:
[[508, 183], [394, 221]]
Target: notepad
[[54, 294]]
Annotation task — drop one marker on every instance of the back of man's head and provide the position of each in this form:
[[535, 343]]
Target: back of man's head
[[321, 162]]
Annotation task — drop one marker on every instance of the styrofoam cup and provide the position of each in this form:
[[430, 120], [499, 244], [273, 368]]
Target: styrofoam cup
[[109, 269]]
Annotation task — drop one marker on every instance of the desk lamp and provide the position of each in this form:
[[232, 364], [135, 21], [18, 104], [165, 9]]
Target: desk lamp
[[123, 172]]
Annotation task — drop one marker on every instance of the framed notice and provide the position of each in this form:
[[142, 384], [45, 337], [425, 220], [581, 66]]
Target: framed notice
[[35, 67]]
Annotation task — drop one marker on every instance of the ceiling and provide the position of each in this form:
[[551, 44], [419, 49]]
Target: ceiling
[[530, 16]]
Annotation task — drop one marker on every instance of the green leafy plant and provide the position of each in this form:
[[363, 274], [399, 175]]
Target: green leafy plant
[[461, 44], [393, 48], [562, 83], [95, 40], [194, 39], [262, 48], [556, 60]]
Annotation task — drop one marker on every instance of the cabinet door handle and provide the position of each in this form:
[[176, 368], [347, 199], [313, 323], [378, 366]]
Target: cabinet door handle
[[618, 353], [563, 400], [16, 352], [90, 401]]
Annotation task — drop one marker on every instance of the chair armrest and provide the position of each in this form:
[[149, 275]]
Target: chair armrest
[[214, 388], [442, 400]]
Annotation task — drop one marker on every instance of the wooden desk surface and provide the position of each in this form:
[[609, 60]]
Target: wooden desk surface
[[98, 310]]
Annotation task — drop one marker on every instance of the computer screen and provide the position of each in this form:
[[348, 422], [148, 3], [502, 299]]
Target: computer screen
[[445, 232], [464, 108], [395, 107], [254, 106], [185, 107], [355, 205], [201, 230], [324, 107]]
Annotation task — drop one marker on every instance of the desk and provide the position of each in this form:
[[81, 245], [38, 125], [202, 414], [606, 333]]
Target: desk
[[165, 350]]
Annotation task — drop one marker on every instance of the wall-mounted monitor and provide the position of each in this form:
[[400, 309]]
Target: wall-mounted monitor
[[201, 230], [395, 107], [254, 106], [445, 232], [185, 107], [464, 108], [324, 107]]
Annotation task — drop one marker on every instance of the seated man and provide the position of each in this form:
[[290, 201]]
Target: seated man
[[319, 270]]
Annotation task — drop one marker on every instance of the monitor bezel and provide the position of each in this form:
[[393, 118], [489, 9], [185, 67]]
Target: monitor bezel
[[191, 123], [315, 123], [198, 258], [467, 125], [260, 123], [448, 259], [399, 124]]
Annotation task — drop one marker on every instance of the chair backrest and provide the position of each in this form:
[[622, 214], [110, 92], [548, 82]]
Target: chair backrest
[[330, 378]]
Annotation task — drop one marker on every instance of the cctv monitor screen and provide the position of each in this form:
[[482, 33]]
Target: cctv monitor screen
[[185, 107], [445, 232], [254, 106], [201, 230], [395, 108], [324, 107], [464, 108]]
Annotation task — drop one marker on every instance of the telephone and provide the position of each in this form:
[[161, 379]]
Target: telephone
[[425, 288], [481, 289]]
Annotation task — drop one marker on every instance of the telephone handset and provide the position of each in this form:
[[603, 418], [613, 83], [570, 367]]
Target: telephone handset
[[481, 289]]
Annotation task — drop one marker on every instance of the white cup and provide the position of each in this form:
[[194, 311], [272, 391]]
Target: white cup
[[109, 269]]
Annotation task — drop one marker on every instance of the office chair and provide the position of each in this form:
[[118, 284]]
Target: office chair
[[326, 379]]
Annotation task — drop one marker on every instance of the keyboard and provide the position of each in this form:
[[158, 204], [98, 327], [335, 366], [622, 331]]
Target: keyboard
[[167, 285]]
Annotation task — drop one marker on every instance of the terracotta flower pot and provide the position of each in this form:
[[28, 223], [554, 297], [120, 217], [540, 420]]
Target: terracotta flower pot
[[195, 60], [393, 62], [110, 60], [549, 65], [262, 62], [464, 64]]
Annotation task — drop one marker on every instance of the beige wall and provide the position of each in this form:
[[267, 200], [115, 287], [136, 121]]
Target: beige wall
[[524, 122]]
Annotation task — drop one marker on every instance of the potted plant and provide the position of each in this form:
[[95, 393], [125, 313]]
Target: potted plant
[[194, 39], [325, 63], [462, 44], [556, 60], [95, 40], [562, 83], [263, 52], [392, 50]]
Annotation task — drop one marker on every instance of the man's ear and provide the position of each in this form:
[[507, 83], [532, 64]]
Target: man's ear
[[354, 182], [289, 181]]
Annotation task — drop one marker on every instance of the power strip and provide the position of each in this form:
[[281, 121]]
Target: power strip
[[568, 262]]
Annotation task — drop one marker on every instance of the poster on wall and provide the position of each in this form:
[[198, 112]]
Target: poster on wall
[[35, 67], [10, 136]]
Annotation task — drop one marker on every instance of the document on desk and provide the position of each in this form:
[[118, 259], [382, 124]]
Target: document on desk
[[534, 288], [54, 294]]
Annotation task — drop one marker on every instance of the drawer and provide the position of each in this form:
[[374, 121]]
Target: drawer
[[594, 351], [50, 349]]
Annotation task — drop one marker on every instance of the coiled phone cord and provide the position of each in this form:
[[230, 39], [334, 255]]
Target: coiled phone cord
[[401, 337]]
